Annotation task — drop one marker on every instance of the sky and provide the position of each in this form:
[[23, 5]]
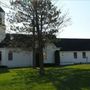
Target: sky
[[79, 12]]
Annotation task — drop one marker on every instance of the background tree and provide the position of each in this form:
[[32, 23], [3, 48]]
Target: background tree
[[41, 19]]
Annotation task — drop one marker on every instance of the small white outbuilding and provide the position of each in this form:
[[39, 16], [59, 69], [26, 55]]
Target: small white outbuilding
[[74, 51]]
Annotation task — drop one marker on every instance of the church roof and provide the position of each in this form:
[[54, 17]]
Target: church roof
[[73, 44], [17, 40], [65, 44]]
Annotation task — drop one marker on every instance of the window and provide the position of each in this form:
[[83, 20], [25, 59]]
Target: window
[[84, 54], [75, 55], [10, 55]]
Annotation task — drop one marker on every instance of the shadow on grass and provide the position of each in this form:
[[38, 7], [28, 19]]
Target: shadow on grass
[[61, 78], [77, 81], [4, 69], [70, 79]]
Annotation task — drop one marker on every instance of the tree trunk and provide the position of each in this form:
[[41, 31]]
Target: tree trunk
[[40, 46], [34, 50], [41, 63], [41, 50]]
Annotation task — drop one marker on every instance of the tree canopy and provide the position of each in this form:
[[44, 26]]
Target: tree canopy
[[40, 18]]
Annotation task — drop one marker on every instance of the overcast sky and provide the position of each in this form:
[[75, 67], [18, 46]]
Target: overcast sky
[[79, 11]]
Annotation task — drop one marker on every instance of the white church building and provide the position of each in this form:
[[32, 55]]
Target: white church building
[[15, 56], [63, 52]]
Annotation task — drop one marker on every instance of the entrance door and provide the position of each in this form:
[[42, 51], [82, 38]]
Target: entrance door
[[37, 59], [0, 56], [57, 57]]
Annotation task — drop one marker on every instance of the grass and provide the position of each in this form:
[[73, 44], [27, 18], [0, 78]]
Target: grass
[[75, 77]]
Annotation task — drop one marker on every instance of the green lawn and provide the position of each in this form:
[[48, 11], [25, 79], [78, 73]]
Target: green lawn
[[76, 77]]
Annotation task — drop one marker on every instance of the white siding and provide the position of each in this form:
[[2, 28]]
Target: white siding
[[20, 58], [23, 58], [2, 27], [2, 50], [2, 33], [3, 17], [67, 57], [50, 50]]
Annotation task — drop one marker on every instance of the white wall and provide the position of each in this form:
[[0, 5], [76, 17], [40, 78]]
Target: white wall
[[2, 27], [2, 14], [25, 58], [67, 57], [2, 50], [20, 58], [50, 50], [2, 32]]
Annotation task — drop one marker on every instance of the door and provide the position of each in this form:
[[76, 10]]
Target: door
[[0, 57], [37, 59], [57, 57]]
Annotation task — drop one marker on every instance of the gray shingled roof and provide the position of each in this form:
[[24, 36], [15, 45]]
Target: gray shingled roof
[[18, 40], [73, 44]]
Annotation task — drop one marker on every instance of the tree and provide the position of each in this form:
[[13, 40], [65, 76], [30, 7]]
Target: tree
[[44, 19]]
